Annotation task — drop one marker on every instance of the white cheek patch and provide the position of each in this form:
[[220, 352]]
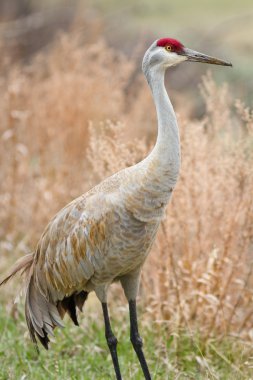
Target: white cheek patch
[[173, 59]]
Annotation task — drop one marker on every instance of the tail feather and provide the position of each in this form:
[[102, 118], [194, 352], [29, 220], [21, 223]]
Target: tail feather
[[42, 316], [80, 298], [23, 264], [69, 304]]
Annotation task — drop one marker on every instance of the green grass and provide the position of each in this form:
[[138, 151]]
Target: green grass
[[81, 353]]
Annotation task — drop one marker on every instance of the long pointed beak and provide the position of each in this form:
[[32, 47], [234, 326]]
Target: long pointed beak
[[195, 56]]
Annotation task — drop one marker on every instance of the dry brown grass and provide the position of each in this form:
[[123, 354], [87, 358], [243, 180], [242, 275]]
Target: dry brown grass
[[199, 274], [45, 112]]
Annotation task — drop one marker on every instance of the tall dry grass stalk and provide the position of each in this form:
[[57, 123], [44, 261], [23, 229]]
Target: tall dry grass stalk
[[45, 110], [199, 274]]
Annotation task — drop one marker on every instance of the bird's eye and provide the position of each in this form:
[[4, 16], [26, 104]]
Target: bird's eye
[[168, 48]]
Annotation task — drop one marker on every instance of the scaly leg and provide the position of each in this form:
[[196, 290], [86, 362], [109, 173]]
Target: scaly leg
[[111, 341], [136, 339]]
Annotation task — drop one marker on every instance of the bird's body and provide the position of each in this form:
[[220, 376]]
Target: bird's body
[[96, 239], [103, 236], [106, 234]]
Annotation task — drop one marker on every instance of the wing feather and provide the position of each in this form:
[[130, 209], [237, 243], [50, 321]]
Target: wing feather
[[70, 260]]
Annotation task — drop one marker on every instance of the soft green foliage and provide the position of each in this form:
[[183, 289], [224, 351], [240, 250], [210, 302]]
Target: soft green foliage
[[81, 353]]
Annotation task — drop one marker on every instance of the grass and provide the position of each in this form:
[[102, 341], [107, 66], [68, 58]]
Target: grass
[[81, 353]]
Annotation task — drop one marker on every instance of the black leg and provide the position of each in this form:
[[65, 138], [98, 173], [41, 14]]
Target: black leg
[[111, 341], [136, 339]]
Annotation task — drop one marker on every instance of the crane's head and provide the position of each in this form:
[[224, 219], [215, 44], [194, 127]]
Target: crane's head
[[168, 52]]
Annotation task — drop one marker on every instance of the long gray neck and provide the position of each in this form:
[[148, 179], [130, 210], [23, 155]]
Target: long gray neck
[[167, 147], [151, 187]]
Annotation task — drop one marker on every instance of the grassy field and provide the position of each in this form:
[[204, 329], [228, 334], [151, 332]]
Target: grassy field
[[81, 352]]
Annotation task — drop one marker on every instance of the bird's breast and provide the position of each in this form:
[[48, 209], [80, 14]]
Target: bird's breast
[[130, 243]]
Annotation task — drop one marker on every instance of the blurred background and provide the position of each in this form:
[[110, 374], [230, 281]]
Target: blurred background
[[220, 28], [75, 108]]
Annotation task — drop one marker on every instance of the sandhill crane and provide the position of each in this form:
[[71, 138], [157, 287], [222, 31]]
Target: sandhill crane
[[106, 234]]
